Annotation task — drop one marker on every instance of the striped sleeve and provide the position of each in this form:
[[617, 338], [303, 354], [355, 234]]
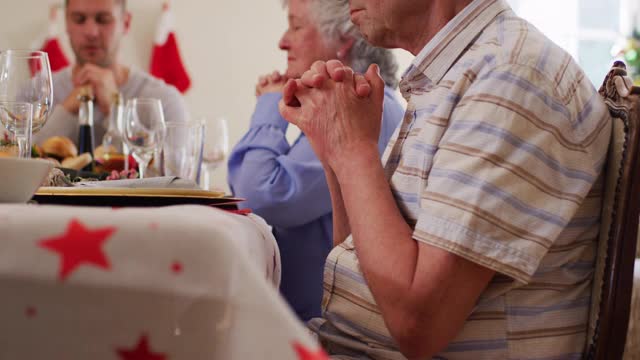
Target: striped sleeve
[[511, 170]]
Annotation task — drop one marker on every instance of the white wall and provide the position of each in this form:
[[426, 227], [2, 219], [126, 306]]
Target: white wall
[[226, 45]]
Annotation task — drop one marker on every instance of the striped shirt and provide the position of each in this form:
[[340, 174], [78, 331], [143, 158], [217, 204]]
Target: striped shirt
[[498, 160]]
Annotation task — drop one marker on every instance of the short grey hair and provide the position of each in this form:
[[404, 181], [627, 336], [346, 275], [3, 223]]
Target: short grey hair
[[121, 2], [333, 20]]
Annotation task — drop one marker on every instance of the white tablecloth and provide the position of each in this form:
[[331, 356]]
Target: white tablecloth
[[184, 282]]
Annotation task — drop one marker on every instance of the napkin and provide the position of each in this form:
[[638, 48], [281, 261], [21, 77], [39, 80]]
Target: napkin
[[165, 182]]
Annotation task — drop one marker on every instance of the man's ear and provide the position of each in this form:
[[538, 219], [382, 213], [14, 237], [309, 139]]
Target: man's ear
[[127, 22], [346, 43]]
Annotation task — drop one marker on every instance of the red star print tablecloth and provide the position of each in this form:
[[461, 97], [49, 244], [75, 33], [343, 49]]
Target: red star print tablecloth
[[184, 282]]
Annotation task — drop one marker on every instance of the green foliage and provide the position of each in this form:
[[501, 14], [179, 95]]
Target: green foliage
[[631, 54]]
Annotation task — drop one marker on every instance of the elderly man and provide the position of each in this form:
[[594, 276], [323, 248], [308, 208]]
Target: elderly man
[[96, 29], [477, 238]]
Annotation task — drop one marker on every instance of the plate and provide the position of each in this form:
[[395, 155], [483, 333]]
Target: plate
[[128, 197], [113, 191]]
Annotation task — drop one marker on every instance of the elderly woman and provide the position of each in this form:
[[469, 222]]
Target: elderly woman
[[285, 183]]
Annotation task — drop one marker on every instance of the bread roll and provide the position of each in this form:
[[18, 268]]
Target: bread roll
[[60, 147], [78, 162], [36, 151], [55, 162]]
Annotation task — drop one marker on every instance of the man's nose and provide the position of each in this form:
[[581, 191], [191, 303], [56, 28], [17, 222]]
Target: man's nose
[[90, 28]]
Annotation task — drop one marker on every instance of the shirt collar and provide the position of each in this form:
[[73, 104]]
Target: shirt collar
[[441, 52]]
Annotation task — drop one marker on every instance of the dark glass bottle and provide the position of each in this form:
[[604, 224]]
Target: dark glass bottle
[[86, 140]]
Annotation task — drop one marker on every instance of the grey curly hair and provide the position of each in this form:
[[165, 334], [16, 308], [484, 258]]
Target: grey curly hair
[[334, 22]]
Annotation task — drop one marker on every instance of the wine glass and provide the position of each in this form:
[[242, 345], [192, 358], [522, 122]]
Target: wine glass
[[16, 118], [182, 150], [216, 148], [144, 130], [25, 76]]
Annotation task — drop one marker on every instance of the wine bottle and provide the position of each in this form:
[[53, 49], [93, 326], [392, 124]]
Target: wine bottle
[[85, 120]]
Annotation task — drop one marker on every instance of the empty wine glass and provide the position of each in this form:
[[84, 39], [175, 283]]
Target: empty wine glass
[[25, 76], [216, 148], [144, 130], [16, 118]]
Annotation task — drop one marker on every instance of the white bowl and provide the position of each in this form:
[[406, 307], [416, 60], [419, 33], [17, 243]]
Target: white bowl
[[20, 178]]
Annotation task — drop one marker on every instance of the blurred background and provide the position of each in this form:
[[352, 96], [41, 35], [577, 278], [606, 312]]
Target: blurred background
[[226, 45]]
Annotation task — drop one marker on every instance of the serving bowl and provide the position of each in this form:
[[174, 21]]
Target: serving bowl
[[20, 178]]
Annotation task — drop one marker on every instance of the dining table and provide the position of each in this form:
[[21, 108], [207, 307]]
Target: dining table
[[166, 282]]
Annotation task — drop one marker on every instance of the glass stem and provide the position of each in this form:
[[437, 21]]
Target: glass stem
[[143, 164], [207, 175], [24, 147], [142, 167], [125, 149], [207, 178]]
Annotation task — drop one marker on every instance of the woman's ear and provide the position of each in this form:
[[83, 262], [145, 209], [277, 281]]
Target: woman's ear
[[346, 43]]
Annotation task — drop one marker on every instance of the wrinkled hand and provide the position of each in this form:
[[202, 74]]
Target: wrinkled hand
[[339, 111], [72, 103], [102, 81], [271, 83], [322, 71]]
